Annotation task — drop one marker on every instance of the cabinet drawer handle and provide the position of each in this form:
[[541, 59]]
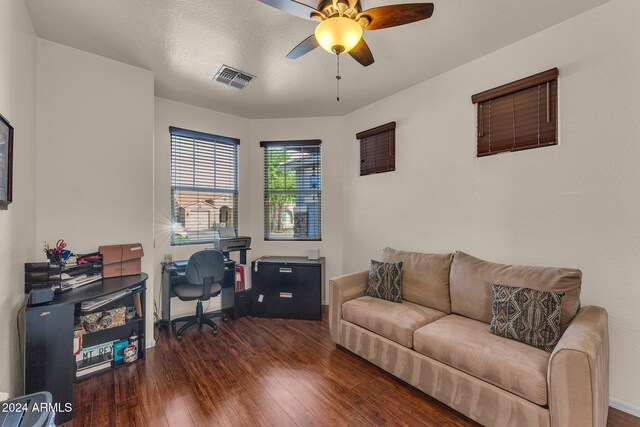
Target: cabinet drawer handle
[[286, 270], [286, 295]]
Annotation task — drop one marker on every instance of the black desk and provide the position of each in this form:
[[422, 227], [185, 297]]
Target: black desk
[[173, 273], [49, 363]]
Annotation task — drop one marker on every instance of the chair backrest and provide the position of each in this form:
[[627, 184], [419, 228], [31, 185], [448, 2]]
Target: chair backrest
[[205, 264]]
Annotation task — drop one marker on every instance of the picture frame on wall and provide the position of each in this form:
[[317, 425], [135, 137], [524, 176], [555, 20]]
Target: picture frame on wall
[[6, 163]]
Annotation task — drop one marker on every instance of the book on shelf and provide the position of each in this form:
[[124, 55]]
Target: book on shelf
[[93, 368]]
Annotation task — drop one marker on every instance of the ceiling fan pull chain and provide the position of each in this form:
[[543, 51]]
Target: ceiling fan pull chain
[[338, 78]]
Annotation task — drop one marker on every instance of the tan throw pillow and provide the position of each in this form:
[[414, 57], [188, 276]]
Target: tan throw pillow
[[385, 280], [526, 315]]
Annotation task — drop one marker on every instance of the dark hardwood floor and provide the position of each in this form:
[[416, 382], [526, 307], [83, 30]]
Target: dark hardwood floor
[[259, 372]]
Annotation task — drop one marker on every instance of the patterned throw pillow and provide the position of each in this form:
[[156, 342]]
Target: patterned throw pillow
[[526, 315], [385, 280]]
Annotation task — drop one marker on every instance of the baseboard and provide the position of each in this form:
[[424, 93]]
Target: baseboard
[[624, 407], [150, 344]]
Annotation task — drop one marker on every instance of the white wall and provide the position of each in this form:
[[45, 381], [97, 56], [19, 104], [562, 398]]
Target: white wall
[[576, 204], [250, 132], [573, 205], [17, 224], [171, 113], [327, 129], [94, 153]]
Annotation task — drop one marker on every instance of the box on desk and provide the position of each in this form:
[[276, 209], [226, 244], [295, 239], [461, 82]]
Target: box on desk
[[121, 260]]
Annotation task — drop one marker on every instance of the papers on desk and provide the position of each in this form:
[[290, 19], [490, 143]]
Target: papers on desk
[[91, 305], [72, 282]]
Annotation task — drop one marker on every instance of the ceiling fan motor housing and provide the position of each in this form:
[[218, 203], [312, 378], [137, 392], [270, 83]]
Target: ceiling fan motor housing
[[339, 7]]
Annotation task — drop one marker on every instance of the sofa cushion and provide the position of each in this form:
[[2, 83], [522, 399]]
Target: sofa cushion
[[526, 315], [467, 345], [425, 277], [391, 320], [385, 281], [471, 280]]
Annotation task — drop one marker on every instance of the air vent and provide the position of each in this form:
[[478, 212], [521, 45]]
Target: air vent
[[232, 77]]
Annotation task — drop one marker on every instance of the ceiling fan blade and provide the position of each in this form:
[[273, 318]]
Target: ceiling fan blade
[[292, 7], [362, 53], [306, 46], [397, 14]]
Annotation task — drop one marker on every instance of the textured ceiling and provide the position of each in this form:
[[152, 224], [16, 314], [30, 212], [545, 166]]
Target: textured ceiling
[[184, 42]]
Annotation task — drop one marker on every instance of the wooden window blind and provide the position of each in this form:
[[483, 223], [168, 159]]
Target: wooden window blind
[[204, 185], [378, 149], [519, 115], [292, 190]]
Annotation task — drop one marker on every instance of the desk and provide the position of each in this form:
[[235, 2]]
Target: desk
[[49, 363], [173, 273]]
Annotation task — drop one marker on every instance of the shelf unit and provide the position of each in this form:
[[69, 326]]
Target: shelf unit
[[111, 334], [49, 362], [137, 325]]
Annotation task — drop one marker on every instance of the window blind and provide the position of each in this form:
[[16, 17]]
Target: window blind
[[292, 190], [519, 115], [378, 149], [204, 185]]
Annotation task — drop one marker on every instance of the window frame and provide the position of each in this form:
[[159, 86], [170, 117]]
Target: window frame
[[514, 115], [266, 145], [373, 141], [204, 138]]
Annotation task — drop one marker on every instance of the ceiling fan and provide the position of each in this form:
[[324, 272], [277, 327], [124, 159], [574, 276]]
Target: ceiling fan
[[341, 23]]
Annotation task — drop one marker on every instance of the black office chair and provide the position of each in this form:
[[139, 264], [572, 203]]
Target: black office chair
[[205, 271]]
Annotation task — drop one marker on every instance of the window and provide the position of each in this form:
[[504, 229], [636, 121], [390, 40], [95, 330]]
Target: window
[[519, 115], [204, 186], [378, 149], [292, 190]]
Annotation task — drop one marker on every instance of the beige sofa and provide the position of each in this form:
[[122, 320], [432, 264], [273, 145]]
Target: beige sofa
[[438, 340]]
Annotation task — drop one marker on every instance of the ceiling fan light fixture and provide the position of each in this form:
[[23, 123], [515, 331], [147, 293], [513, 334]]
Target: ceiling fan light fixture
[[338, 34]]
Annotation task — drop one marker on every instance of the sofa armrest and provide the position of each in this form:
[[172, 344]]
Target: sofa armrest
[[578, 374], [341, 290]]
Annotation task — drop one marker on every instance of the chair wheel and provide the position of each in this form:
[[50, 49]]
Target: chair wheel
[[225, 318], [215, 332], [179, 337]]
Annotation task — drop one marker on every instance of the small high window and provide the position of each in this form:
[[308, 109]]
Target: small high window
[[519, 115], [378, 149]]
